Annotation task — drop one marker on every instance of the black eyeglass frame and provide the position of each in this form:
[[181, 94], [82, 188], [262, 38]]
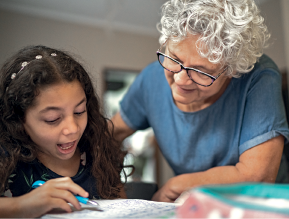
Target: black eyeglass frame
[[187, 69]]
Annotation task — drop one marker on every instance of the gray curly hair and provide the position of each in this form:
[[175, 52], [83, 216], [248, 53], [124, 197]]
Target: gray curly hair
[[232, 32]]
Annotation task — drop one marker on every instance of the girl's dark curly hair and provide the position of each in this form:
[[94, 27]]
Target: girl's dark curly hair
[[18, 94]]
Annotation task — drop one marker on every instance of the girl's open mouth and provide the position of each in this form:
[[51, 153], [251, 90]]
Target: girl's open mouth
[[67, 147]]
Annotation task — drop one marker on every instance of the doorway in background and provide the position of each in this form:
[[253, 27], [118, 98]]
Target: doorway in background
[[141, 145]]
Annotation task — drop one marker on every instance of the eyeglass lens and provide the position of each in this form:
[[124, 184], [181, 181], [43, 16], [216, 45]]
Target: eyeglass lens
[[175, 67]]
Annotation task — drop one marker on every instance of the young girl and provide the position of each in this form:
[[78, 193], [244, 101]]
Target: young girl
[[51, 129]]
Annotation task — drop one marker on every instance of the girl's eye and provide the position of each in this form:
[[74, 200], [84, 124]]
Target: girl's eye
[[52, 121], [79, 113]]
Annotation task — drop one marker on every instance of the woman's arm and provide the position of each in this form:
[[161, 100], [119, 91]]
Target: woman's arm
[[55, 193], [121, 129], [258, 164]]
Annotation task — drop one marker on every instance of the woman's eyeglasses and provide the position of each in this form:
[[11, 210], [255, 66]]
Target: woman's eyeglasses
[[197, 76]]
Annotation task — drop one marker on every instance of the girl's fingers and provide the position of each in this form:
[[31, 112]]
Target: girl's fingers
[[65, 183], [59, 203], [34, 205], [52, 194], [66, 196]]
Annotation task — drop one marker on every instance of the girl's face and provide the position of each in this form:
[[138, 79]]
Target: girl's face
[[57, 121]]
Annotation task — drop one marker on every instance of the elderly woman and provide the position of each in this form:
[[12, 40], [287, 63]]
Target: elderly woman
[[213, 99]]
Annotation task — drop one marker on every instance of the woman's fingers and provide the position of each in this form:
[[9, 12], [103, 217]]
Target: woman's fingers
[[168, 193], [162, 196]]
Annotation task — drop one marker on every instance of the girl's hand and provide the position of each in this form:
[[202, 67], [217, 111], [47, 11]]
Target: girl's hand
[[55, 193]]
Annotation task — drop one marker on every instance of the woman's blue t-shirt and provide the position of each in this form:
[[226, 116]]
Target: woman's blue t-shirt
[[250, 112]]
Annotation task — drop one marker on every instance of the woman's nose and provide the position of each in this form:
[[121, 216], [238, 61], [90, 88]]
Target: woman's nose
[[71, 126], [182, 78]]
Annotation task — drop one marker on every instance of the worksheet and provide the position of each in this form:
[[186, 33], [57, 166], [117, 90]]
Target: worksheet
[[122, 208]]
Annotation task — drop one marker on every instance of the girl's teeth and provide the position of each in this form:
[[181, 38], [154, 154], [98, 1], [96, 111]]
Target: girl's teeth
[[65, 148]]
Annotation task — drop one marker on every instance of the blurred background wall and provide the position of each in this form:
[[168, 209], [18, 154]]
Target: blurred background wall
[[99, 44], [112, 34]]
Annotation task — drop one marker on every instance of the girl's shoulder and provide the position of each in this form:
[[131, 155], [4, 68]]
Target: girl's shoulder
[[26, 173], [21, 179]]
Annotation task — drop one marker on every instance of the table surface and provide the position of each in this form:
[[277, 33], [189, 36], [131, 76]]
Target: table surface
[[122, 208]]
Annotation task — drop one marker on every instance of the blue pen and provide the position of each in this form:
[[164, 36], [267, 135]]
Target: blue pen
[[79, 198]]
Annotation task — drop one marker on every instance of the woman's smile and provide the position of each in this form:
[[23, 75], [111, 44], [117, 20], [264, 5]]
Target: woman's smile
[[183, 90]]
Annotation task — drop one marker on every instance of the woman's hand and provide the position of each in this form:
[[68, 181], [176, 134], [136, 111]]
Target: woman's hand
[[169, 192], [55, 193]]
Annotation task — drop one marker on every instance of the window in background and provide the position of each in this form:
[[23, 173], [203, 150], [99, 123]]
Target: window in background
[[141, 144]]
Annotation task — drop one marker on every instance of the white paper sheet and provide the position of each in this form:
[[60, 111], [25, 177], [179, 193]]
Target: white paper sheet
[[123, 208]]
